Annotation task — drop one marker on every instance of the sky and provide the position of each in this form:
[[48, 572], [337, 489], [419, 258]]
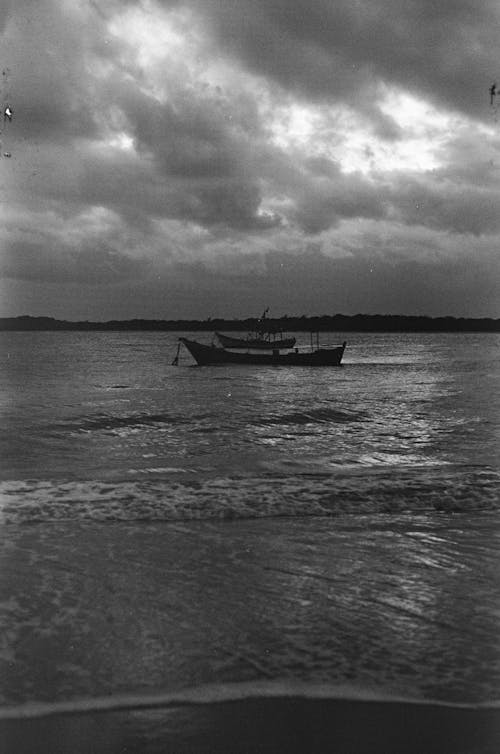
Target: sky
[[209, 158]]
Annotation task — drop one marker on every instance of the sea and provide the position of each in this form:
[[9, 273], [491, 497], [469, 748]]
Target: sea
[[184, 535]]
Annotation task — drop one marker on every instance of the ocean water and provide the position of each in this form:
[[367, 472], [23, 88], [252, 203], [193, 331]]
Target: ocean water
[[169, 528]]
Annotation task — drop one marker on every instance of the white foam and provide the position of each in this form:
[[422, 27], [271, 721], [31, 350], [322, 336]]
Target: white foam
[[225, 692], [155, 494]]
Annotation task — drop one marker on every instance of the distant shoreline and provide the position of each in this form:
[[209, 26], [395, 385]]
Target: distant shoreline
[[337, 322]]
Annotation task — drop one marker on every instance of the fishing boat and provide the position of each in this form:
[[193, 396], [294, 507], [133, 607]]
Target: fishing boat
[[205, 355], [266, 337]]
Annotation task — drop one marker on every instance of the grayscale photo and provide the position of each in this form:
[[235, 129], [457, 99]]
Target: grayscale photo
[[249, 377]]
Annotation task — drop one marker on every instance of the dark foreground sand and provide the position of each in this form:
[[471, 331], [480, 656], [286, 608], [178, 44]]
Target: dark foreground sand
[[262, 725]]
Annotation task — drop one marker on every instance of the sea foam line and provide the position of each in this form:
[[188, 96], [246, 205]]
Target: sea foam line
[[227, 692]]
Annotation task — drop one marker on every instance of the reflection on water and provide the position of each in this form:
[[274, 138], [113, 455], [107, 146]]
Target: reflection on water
[[87, 404]]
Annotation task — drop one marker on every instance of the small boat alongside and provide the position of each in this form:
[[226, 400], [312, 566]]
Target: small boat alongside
[[265, 343], [205, 355], [266, 337]]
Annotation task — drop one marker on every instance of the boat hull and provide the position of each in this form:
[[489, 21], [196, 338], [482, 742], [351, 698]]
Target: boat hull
[[206, 355], [227, 341]]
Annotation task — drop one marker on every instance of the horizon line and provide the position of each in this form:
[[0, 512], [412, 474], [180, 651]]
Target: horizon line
[[211, 319]]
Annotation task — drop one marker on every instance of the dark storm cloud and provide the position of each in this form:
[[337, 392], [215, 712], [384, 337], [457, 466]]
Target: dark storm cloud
[[319, 193], [199, 149], [44, 49], [307, 282], [472, 161], [200, 130], [201, 165], [446, 51], [369, 284], [4, 14], [444, 205], [187, 173], [140, 192], [193, 154], [325, 203], [90, 265]]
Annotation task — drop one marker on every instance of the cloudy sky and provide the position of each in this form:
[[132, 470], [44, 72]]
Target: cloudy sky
[[199, 158]]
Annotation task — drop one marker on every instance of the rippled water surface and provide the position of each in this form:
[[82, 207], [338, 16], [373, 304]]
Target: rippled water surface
[[169, 526]]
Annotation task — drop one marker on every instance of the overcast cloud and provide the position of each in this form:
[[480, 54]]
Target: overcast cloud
[[204, 158]]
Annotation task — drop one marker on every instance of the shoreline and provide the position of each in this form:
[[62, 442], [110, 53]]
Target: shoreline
[[263, 724], [381, 323], [230, 692]]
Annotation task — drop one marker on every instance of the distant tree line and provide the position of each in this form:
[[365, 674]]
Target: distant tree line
[[325, 323]]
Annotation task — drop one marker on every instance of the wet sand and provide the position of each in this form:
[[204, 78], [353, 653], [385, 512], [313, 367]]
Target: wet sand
[[277, 725], [402, 606]]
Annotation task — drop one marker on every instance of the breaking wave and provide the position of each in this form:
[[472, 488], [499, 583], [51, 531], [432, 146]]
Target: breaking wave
[[173, 494]]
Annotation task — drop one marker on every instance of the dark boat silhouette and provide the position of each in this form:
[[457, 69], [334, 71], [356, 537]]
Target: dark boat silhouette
[[210, 354]]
